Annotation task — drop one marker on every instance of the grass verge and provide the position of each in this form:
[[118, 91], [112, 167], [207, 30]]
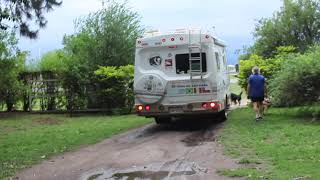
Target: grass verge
[[28, 139], [287, 145]]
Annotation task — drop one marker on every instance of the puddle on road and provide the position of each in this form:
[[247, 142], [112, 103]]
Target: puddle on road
[[158, 171], [150, 175]]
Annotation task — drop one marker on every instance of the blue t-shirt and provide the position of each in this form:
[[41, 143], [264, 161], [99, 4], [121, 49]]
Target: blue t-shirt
[[256, 82]]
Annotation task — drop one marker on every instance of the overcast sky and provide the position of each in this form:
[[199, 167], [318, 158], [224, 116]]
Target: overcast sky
[[234, 20]]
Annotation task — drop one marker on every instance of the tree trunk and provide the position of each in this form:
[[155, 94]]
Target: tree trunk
[[9, 105]]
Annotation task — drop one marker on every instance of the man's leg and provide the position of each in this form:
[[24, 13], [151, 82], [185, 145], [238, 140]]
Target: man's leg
[[260, 108], [256, 109]]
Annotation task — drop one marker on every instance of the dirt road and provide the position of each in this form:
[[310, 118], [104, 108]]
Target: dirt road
[[177, 151]]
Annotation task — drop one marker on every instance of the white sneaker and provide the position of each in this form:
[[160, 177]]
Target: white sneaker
[[257, 117]]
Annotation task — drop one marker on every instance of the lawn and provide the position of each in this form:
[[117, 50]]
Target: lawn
[[28, 139], [283, 146]]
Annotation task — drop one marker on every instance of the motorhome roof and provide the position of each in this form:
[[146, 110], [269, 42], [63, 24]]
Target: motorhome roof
[[157, 32], [176, 37]]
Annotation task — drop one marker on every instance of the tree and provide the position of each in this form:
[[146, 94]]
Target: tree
[[11, 63], [106, 37], [53, 61], [296, 24], [75, 80], [20, 12], [76, 73]]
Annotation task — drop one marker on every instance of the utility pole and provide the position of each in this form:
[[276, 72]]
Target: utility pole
[[102, 3]]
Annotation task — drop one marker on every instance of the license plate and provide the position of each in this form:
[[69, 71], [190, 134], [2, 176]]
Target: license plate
[[175, 109]]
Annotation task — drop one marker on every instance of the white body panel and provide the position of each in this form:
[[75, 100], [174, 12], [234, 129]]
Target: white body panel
[[158, 82]]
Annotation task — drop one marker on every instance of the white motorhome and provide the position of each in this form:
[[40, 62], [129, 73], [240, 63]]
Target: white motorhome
[[181, 74]]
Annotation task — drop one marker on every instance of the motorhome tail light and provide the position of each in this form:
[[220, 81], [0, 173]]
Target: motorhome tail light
[[172, 39], [212, 104], [139, 108], [148, 107], [163, 40], [207, 36], [205, 105]]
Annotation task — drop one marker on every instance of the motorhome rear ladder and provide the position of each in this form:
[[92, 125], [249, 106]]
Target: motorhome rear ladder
[[195, 58]]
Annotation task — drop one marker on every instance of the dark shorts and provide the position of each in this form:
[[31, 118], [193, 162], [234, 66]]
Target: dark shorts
[[257, 99]]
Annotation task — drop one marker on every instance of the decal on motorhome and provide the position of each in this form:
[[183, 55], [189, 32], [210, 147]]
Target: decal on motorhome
[[155, 61], [188, 88], [168, 63]]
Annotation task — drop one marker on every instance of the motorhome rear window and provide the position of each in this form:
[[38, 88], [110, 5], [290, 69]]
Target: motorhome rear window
[[183, 66]]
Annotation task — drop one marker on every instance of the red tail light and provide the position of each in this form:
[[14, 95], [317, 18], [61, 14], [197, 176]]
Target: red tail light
[[209, 105], [205, 105], [148, 107], [212, 104], [139, 108]]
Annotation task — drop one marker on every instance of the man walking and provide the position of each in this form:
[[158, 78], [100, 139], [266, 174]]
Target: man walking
[[257, 90]]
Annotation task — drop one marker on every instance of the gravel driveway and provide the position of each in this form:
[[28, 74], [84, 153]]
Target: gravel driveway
[[181, 150]]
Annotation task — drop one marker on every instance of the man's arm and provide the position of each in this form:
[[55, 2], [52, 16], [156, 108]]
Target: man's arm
[[248, 89]]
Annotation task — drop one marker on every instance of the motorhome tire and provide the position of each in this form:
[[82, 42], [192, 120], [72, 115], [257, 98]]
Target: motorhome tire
[[222, 116], [227, 104]]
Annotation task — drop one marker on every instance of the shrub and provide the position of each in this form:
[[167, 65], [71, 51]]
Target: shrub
[[298, 82], [116, 87], [268, 67], [246, 67]]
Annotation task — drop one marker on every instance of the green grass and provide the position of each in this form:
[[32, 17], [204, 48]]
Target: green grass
[[287, 145], [242, 172], [24, 140]]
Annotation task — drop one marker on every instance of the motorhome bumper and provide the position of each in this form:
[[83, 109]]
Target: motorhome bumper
[[177, 114], [211, 107]]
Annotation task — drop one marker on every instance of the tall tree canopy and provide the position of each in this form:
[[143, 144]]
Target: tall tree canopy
[[20, 12], [106, 37], [296, 24]]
